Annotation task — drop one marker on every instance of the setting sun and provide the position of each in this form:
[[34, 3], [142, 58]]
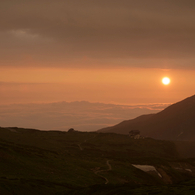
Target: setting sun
[[166, 81]]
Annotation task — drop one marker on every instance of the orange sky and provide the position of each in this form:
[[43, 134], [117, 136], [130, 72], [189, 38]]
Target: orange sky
[[98, 51], [122, 86]]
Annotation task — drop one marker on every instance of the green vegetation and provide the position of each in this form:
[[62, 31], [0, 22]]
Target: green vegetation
[[54, 162]]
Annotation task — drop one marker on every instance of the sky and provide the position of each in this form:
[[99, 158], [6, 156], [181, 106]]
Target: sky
[[111, 51]]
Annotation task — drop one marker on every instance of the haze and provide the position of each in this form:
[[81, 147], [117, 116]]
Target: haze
[[82, 116], [98, 51]]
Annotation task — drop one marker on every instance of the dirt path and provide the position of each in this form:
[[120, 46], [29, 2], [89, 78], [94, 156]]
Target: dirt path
[[97, 172], [79, 145]]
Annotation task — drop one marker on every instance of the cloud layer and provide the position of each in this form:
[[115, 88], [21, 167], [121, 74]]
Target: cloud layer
[[83, 116], [91, 33]]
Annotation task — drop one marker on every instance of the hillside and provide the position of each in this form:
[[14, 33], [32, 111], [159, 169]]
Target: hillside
[[54, 162], [176, 122]]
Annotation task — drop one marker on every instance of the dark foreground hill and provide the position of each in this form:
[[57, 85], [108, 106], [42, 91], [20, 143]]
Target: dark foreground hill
[[176, 122], [54, 162]]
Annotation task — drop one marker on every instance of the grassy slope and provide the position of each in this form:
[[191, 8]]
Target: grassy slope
[[53, 162]]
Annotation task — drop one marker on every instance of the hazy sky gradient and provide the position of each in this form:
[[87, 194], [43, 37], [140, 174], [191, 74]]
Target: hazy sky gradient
[[107, 51]]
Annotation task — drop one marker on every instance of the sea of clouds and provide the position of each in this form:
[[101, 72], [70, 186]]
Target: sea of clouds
[[80, 115]]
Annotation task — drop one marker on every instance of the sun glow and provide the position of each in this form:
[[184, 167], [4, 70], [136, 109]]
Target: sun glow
[[166, 81]]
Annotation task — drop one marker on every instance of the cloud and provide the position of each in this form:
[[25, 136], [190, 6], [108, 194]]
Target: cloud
[[97, 33], [81, 115]]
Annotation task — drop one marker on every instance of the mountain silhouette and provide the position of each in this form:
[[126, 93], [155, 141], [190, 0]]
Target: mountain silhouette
[[176, 122]]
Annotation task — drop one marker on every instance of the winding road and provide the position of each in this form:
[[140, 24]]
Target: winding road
[[100, 171]]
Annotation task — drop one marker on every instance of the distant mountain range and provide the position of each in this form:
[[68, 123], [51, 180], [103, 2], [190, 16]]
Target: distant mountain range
[[176, 122]]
